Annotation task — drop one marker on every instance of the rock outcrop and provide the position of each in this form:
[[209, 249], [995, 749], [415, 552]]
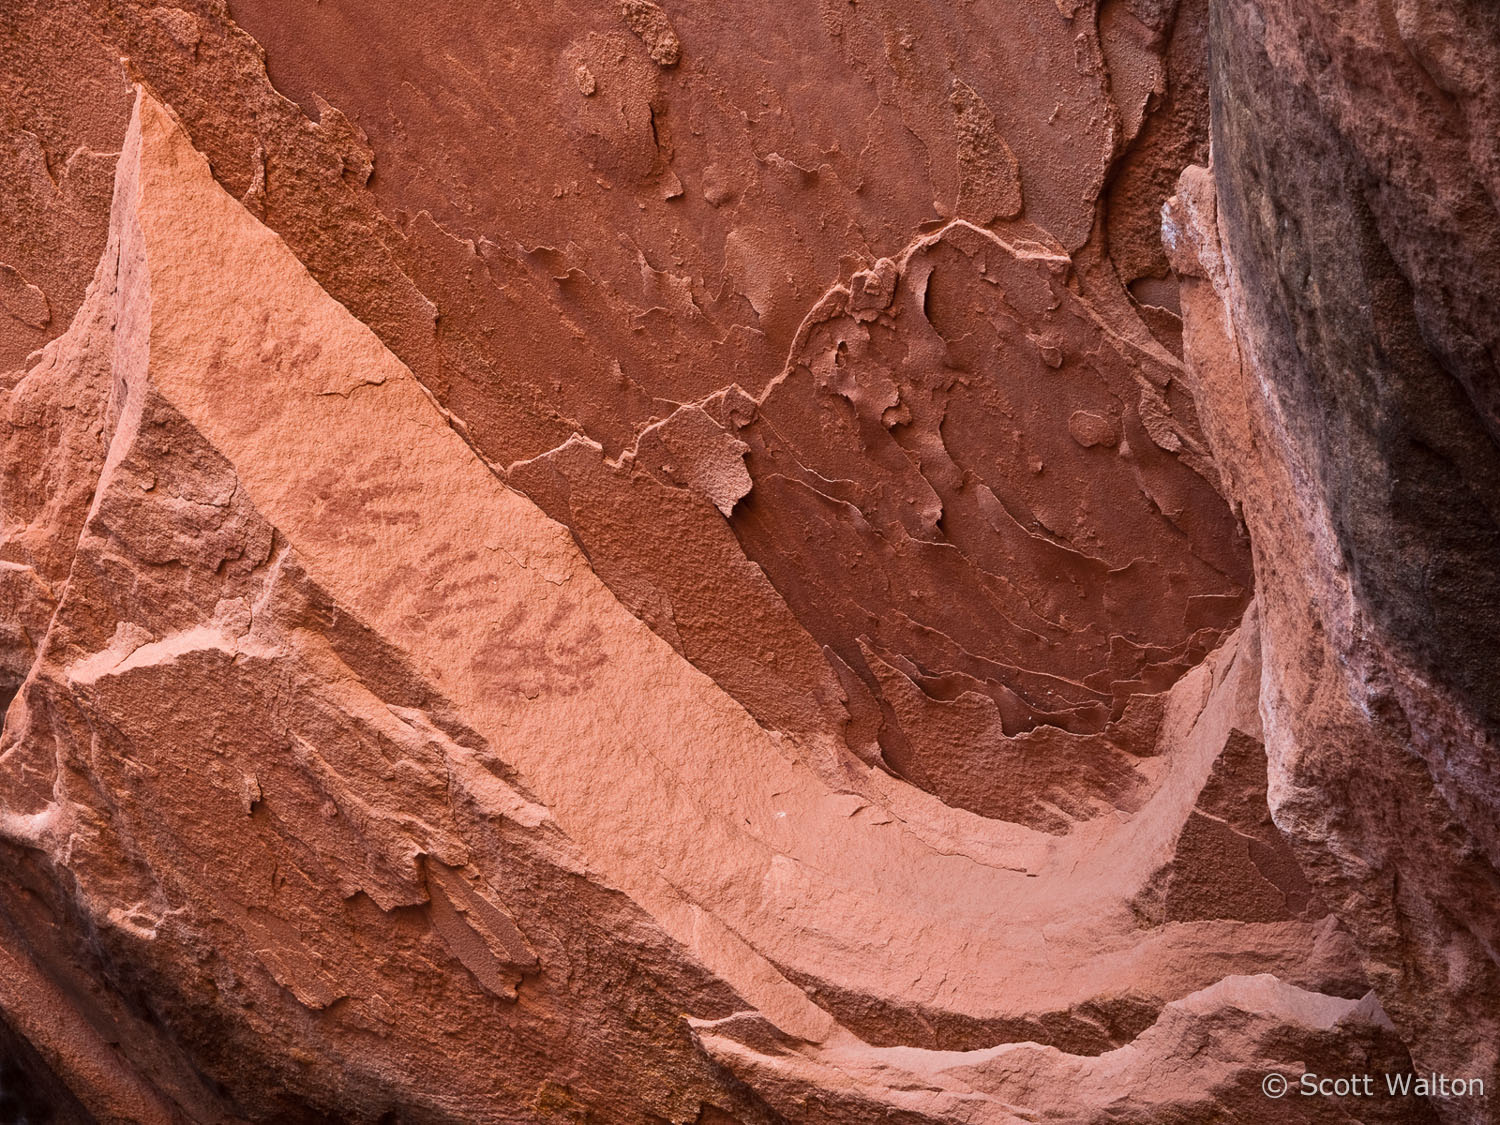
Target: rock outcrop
[[631, 563], [1343, 259]]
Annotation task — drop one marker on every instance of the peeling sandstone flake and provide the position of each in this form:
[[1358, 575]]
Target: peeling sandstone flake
[[989, 178], [649, 22]]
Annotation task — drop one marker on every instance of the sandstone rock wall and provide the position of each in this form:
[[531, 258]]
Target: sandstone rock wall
[[1352, 231], [644, 562]]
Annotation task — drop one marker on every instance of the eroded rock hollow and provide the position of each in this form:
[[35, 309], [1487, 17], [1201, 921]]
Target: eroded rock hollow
[[632, 562]]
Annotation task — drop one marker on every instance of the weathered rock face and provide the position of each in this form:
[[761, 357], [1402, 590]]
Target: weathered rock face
[[1354, 239], [638, 563]]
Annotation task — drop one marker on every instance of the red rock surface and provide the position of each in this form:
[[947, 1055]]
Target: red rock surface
[[1342, 335], [662, 563]]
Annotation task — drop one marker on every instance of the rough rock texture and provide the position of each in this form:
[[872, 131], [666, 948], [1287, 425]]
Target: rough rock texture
[[1341, 325], [633, 562]]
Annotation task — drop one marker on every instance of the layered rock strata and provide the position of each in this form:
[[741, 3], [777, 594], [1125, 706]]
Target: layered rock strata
[[704, 595]]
